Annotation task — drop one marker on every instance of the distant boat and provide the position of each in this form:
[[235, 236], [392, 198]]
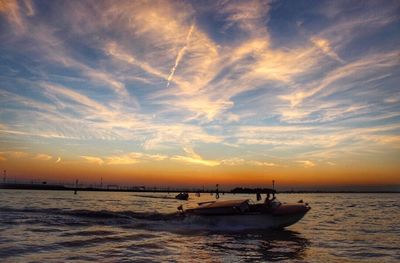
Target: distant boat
[[248, 215], [182, 196]]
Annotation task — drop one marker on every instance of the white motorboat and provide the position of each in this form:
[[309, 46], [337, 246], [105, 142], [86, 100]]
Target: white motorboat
[[245, 214]]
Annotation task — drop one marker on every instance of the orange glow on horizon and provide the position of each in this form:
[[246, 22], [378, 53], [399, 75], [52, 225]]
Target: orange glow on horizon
[[167, 174]]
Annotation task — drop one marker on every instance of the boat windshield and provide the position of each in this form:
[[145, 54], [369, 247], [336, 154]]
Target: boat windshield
[[275, 203]]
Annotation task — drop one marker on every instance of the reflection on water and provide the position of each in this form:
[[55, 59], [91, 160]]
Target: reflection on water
[[58, 226], [262, 245]]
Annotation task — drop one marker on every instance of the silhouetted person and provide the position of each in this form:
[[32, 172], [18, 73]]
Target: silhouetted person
[[258, 195], [267, 200], [76, 187], [180, 208]]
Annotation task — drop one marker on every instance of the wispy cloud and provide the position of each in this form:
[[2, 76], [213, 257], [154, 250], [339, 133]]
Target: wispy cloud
[[306, 163], [249, 16], [6, 155], [362, 67], [132, 158], [93, 160], [124, 159], [43, 157], [12, 10], [192, 160], [325, 47], [258, 163]]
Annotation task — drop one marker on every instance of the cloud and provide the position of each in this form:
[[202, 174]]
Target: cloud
[[356, 69], [233, 161], [12, 11], [258, 163], [17, 154], [93, 160], [124, 159], [51, 48], [115, 51], [159, 135], [365, 19], [325, 46], [132, 158], [306, 163], [239, 162], [192, 160], [43, 157], [203, 107], [6, 155], [30, 10], [249, 16], [59, 117], [189, 150], [77, 97]]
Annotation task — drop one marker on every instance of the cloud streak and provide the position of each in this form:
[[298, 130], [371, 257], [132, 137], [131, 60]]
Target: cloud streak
[[180, 55]]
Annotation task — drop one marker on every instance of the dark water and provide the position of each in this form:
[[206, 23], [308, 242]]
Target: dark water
[[52, 226]]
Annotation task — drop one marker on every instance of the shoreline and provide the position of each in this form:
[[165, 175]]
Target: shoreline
[[50, 187]]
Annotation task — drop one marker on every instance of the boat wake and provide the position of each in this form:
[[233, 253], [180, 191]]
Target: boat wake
[[174, 222], [51, 216], [156, 196]]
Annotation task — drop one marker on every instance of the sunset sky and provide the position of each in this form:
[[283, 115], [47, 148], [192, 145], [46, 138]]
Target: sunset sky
[[201, 92]]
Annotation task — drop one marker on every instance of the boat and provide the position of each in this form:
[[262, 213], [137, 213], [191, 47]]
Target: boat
[[182, 196], [245, 214]]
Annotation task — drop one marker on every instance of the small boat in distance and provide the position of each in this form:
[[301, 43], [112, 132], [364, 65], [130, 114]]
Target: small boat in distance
[[245, 214], [182, 196]]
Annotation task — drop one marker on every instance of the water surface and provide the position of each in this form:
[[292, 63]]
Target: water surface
[[57, 226]]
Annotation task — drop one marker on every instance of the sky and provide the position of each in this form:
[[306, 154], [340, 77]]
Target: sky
[[241, 93]]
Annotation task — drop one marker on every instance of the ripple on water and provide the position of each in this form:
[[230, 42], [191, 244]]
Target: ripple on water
[[88, 233]]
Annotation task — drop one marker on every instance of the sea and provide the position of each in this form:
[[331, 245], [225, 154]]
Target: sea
[[58, 226]]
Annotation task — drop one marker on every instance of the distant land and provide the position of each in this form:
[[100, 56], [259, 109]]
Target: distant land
[[237, 190]]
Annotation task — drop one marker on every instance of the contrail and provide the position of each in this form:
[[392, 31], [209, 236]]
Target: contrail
[[180, 55]]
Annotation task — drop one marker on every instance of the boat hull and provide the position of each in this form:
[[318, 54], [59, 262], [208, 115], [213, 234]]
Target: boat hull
[[248, 221]]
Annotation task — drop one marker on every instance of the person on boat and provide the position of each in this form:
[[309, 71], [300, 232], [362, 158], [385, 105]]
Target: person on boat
[[180, 208], [217, 192], [267, 200], [258, 195]]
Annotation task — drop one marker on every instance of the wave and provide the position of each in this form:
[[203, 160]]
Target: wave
[[156, 196], [99, 214]]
